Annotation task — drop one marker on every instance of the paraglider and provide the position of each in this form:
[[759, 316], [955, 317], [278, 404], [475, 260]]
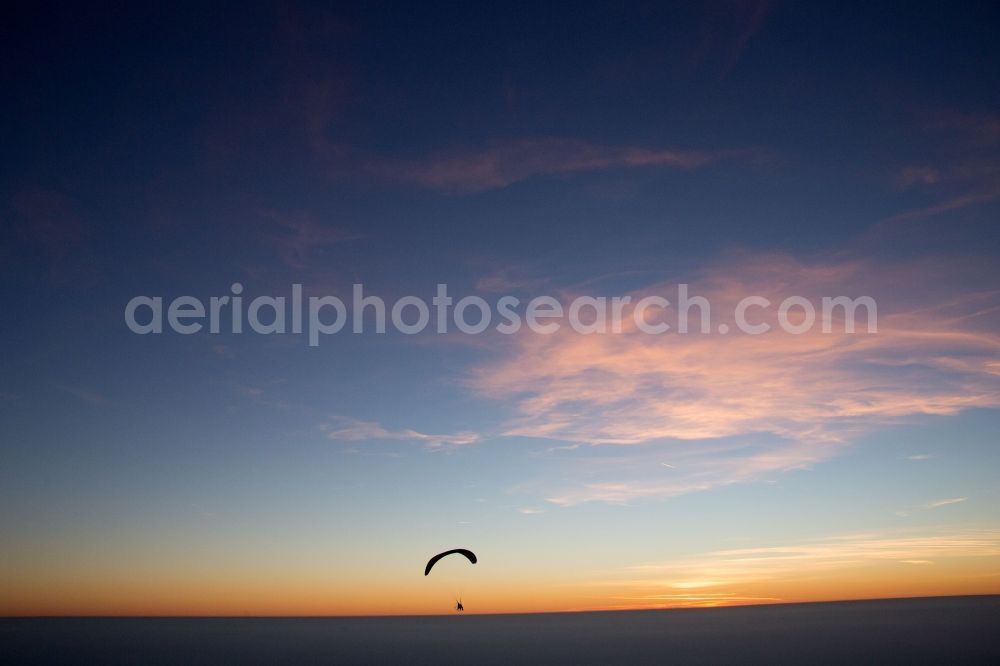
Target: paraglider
[[469, 555], [459, 551]]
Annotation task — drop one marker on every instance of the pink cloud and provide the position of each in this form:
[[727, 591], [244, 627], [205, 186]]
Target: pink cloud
[[631, 387], [789, 562], [506, 163], [982, 129], [806, 395]]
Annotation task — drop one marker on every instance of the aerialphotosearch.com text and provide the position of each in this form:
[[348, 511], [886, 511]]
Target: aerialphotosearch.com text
[[318, 316]]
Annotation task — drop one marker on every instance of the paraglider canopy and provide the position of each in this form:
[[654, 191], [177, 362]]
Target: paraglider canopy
[[460, 551]]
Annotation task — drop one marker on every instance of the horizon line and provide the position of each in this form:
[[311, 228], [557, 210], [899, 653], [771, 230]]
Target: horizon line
[[473, 613]]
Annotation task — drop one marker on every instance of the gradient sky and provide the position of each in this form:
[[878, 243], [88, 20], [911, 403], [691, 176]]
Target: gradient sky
[[814, 149]]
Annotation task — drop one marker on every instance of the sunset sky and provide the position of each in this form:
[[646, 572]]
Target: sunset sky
[[743, 148]]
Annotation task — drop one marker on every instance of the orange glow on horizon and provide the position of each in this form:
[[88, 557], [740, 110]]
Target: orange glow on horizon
[[846, 568]]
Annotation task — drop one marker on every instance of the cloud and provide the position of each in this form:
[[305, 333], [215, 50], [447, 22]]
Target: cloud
[[509, 279], [621, 475], [746, 564], [300, 249], [223, 350], [930, 505], [300, 240], [92, 398], [947, 206], [470, 171], [981, 130], [826, 567], [722, 37], [737, 575], [965, 172], [261, 395], [50, 223], [944, 502], [352, 430], [915, 175], [301, 103], [736, 407], [920, 456], [693, 600], [631, 387]]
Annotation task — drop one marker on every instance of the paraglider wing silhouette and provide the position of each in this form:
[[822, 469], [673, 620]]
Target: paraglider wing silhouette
[[461, 551]]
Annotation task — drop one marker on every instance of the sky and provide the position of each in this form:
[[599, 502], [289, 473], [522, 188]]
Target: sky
[[622, 149]]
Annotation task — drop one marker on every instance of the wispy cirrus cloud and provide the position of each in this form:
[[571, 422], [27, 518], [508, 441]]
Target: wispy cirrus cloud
[[731, 408], [985, 195], [723, 36], [617, 475], [89, 397], [978, 129], [308, 250], [724, 577], [631, 387], [962, 173], [300, 240], [500, 165], [944, 502], [51, 223], [352, 430], [751, 564]]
